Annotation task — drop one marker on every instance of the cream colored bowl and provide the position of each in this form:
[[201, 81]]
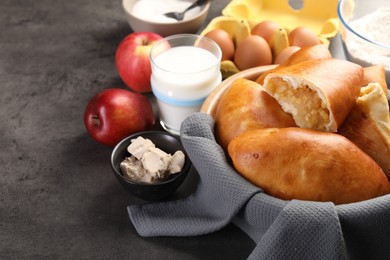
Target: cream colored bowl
[[191, 25], [210, 104]]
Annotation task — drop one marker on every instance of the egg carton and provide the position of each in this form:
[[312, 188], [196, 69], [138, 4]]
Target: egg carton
[[239, 17]]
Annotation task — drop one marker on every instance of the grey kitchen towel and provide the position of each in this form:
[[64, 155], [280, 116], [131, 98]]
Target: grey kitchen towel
[[281, 229]]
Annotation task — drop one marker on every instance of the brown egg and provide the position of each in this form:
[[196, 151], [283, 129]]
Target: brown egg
[[285, 53], [222, 38], [302, 36], [251, 52], [265, 29]]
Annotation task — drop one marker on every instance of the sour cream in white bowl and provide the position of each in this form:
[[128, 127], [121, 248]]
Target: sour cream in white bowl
[[148, 15]]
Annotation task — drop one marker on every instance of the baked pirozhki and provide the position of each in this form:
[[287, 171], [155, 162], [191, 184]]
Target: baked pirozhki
[[315, 52], [375, 74], [368, 125], [319, 94], [246, 106], [296, 163]]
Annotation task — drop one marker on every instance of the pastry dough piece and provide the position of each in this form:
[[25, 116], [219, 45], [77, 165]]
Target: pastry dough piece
[[246, 106], [298, 163], [368, 125], [319, 94], [375, 73], [315, 52]]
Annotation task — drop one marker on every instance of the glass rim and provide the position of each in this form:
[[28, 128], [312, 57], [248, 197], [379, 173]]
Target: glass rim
[[196, 38]]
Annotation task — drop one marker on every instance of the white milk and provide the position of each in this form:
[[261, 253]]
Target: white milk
[[182, 77]]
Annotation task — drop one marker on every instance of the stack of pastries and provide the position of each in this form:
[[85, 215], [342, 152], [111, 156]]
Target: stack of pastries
[[313, 128]]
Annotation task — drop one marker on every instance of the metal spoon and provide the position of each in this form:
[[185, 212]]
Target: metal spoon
[[180, 15]]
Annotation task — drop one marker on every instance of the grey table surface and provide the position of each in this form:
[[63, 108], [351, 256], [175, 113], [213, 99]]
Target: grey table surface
[[58, 196]]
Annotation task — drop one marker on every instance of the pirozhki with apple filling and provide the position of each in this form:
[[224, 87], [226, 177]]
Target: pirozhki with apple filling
[[319, 94], [323, 163]]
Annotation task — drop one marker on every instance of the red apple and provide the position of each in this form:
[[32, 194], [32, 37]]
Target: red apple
[[132, 60], [115, 113]]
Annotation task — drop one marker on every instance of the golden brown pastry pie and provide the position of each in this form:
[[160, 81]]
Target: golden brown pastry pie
[[368, 125], [297, 163], [319, 51], [319, 94], [246, 106], [375, 74]]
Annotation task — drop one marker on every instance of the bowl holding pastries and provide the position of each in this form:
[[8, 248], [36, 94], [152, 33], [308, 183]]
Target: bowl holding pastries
[[150, 165], [147, 16], [312, 128]]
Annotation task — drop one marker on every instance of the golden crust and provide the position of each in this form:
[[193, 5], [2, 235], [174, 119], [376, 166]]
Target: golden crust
[[368, 125], [375, 74], [246, 106], [296, 163], [319, 51], [330, 87]]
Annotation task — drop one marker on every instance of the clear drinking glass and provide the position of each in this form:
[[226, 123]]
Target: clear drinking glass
[[185, 69]]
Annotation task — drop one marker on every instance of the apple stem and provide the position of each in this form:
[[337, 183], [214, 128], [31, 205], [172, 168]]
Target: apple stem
[[145, 42]]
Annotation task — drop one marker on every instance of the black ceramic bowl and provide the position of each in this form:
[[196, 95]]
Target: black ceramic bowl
[[156, 191]]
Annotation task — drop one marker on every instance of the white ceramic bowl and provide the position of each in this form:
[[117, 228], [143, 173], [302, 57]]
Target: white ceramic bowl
[[360, 45], [164, 28]]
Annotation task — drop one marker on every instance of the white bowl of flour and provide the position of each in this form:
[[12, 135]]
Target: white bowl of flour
[[365, 31]]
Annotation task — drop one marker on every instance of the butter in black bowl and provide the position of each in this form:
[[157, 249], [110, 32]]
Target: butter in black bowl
[[157, 189]]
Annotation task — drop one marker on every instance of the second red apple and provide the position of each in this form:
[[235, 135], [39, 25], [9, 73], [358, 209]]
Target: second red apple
[[115, 113], [132, 60]]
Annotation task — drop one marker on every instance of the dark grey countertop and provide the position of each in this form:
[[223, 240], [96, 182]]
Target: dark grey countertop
[[58, 196]]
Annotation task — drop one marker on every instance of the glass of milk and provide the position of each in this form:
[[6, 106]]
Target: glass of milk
[[185, 69]]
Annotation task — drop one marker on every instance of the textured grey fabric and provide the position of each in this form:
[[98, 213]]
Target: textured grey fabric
[[303, 230], [220, 194], [282, 229]]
